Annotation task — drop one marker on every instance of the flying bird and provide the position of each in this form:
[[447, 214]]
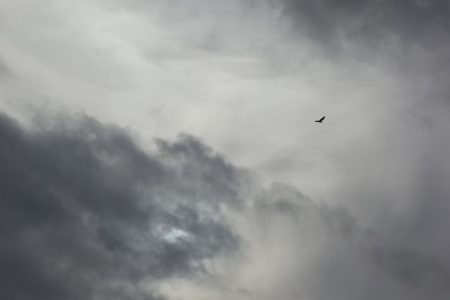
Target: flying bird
[[320, 120]]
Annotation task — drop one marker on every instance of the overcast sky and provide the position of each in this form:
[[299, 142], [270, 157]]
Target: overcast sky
[[166, 149]]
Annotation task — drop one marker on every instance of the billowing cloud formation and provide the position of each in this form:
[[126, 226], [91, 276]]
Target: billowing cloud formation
[[86, 213]]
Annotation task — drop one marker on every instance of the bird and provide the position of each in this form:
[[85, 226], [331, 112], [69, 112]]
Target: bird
[[320, 120]]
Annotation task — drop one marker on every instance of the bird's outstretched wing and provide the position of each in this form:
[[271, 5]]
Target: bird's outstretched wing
[[320, 120]]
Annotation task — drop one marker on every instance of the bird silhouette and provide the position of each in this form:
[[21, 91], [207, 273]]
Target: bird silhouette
[[320, 120]]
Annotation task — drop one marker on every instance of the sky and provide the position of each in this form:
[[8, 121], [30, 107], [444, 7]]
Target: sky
[[167, 149]]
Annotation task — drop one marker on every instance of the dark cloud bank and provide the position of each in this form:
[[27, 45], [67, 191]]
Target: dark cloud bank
[[85, 213], [372, 21], [410, 36]]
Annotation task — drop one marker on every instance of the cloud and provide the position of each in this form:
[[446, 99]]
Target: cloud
[[411, 21], [86, 214], [3, 69], [248, 77]]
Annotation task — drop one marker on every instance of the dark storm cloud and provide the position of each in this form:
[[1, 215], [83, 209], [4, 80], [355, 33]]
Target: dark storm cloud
[[409, 20], [86, 214], [411, 34]]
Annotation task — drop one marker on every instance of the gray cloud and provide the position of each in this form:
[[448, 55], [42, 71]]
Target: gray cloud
[[347, 261], [240, 76], [86, 214], [411, 21], [3, 69]]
